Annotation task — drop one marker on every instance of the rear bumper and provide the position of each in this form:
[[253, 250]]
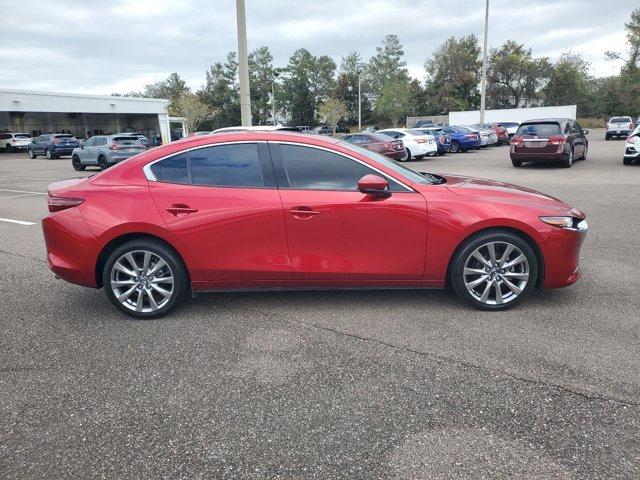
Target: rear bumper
[[63, 151], [68, 241], [396, 155], [532, 155], [115, 158], [618, 133]]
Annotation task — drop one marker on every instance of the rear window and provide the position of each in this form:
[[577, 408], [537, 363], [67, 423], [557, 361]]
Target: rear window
[[539, 129], [22, 135], [509, 124], [620, 120], [65, 137], [126, 140]]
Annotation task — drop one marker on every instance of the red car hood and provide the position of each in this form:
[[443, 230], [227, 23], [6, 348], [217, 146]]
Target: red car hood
[[504, 192]]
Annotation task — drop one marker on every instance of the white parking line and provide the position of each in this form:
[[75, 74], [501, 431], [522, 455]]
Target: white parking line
[[21, 191], [21, 195], [19, 222]]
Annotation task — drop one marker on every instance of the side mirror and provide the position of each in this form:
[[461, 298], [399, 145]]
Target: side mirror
[[374, 185], [585, 131]]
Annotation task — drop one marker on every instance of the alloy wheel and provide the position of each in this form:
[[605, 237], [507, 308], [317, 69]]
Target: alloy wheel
[[142, 281], [496, 273]]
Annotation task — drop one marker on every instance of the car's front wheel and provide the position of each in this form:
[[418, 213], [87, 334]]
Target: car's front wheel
[[494, 270], [48, 154], [144, 278], [31, 154], [455, 147], [77, 164]]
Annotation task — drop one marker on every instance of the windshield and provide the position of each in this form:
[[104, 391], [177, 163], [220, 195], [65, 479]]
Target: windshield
[[387, 162], [539, 129]]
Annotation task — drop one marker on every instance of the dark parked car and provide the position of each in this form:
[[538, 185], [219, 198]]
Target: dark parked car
[[378, 143], [424, 123], [52, 145], [323, 130], [550, 140], [442, 139]]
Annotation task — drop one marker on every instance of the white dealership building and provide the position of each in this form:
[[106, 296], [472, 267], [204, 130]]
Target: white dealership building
[[81, 115]]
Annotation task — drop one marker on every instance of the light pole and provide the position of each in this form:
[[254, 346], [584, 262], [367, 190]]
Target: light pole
[[359, 102], [273, 102], [243, 65], [483, 85]]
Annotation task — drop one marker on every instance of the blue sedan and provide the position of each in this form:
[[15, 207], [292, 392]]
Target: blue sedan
[[462, 139]]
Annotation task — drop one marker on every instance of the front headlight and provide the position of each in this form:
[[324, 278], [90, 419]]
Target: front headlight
[[569, 223]]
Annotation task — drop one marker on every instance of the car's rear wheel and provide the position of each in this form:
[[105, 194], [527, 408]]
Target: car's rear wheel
[[48, 154], [607, 136], [627, 161], [31, 154], [494, 270], [584, 155], [9, 148], [77, 165], [566, 163], [144, 278], [102, 163], [516, 163], [455, 147], [407, 155]]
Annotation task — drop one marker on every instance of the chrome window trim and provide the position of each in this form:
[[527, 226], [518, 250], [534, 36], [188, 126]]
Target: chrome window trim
[[385, 175]]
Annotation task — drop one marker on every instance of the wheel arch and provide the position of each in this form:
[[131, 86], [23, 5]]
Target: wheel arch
[[115, 242], [513, 230]]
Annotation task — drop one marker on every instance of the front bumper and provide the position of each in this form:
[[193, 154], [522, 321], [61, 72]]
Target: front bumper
[[561, 253], [632, 153]]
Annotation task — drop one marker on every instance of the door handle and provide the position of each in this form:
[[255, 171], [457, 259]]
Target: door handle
[[303, 212], [180, 210]]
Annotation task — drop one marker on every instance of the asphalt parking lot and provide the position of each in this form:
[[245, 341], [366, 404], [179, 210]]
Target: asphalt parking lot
[[378, 384]]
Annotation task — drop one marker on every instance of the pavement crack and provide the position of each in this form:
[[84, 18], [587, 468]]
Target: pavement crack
[[457, 362], [26, 257]]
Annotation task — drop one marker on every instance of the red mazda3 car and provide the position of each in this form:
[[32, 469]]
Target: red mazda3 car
[[270, 210]]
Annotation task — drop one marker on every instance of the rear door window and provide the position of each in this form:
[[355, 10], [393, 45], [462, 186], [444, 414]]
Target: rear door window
[[173, 169], [227, 166], [540, 129]]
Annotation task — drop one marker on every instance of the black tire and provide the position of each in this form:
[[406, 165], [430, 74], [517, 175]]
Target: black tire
[[48, 154], [455, 147], [432, 154], [627, 161], [566, 163], [516, 163], [8, 148], [586, 151], [77, 165], [102, 163], [407, 157], [175, 267], [31, 154], [607, 136], [464, 252]]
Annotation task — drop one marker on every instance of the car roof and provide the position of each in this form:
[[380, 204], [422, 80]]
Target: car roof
[[254, 128], [548, 120]]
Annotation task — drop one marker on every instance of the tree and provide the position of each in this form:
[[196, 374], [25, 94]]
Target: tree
[[221, 93], [393, 101], [387, 65], [307, 81], [193, 110], [262, 75], [171, 88], [514, 77], [569, 82], [346, 90], [632, 61], [454, 74], [332, 111]]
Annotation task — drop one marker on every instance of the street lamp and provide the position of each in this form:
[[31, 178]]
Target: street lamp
[[273, 97], [359, 102], [243, 65], [483, 86]]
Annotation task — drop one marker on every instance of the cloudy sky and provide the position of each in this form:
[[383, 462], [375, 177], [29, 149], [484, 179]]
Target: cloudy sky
[[121, 45]]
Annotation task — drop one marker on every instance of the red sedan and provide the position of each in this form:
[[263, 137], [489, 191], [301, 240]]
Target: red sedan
[[270, 210], [378, 143]]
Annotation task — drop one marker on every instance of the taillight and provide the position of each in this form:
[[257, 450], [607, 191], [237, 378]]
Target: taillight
[[56, 140], [62, 203], [557, 139], [517, 140], [421, 140], [388, 145], [470, 135]]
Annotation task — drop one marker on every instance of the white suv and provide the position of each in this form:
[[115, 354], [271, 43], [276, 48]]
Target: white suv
[[619, 127], [417, 144], [12, 142]]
